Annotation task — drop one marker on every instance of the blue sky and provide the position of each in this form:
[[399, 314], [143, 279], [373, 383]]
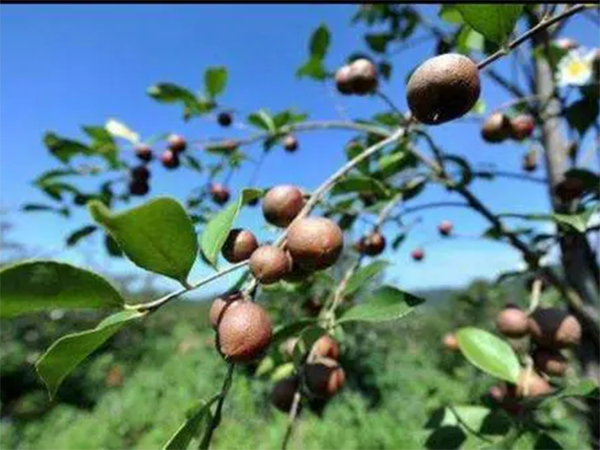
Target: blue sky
[[67, 65]]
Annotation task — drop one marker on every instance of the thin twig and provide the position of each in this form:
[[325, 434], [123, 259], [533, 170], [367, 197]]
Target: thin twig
[[216, 418]]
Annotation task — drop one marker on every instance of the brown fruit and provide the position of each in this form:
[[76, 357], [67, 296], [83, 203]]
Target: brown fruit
[[282, 204], [239, 245], [450, 342], [554, 328], [290, 143], [282, 395], [371, 245], [418, 254], [512, 322], [138, 187], [445, 227], [530, 384], [326, 347], [550, 362], [343, 80], [443, 88], [315, 243], [269, 264], [363, 76], [140, 173], [143, 152], [219, 193], [169, 159], [496, 128], [569, 189], [521, 127], [244, 332], [530, 161], [324, 377], [224, 119], [176, 143], [222, 304]]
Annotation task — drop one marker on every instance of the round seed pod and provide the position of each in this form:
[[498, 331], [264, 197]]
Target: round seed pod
[[371, 245], [224, 119], [239, 246], [143, 152], [445, 228], [282, 204], [290, 143], [324, 377], [512, 322], [139, 187], [221, 304], [531, 384], [315, 243], [140, 173], [244, 332], [569, 189], [554, 328], [269, 264], [343, 80], [219, 193], [496, 128], [282, 395], [550, 362], [530, 161], [521, 127], [363, 76], [326, 347], [450, 342], [169, 159], [176, 143], [443, 88], [418, 254]]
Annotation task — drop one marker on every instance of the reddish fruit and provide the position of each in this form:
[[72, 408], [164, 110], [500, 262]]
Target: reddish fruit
[[219, 193], [512, 322], [169, 159], [224, 119], [443, 88], [290, 143], [315, 243], [176, 143], [496, 128], [363, 76], [343, 80], [239, 246], [417, 254], [324, 377], [554, 328], [244, 332], [521, 127], [371, 245], [140, 173], [450, 342], [282, 204], [138, 187], [144, 153], [222, 304], [445, 227], [530, 384], [269, 264], [326, 347], [550, 362], [282, 395]]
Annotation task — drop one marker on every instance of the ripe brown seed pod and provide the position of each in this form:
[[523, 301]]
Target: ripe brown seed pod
[[140, 173], [244, 332], [324, 377], [550, 362], [282, 395], [290, 143], [554, 328], [224, 119], [315, 243], [143, 152], [221, 304], [496, 128], [512, 322], [282, 204], [443, 88], [445, 227], [176, 143], [417, 254], [343, 80], [371, 245], [363, 76], [450, 342], [239, 246], [269, 264], [219, 193], [531, 384], [169, 159], [326, 347], [139, 187], [521, 127], [530, 161]]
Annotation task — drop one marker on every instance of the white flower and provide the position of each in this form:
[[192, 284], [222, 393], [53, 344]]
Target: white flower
[[575, 68]]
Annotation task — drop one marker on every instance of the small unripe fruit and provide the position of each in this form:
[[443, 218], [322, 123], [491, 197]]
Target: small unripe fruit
[[550, 362], [324, 377], [443, 88], [290, 143], [512, 322], [343, 80], [554, 328], [445, 227], [521, 127], [219, 193], [530, 384], [282, 204], [222, 304], [282, 395], [315, 243], [140, 173], [363, 76], [144, 153], [417, 254], [239, 246], [450, 342], [269, 264], [326, 347], [138, 187], [176, 143], [371, 245], [224, 119], [244, 332], [530, 161], [496, 128], [169, 159]]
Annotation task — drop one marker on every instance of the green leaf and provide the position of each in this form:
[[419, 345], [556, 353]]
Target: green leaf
[[70, 350], [360, 183], [489, 353], [578, 222], [494, 21], [313, 68], [172, 93], [469, 40], [215, 80], [263, 120], [190, 428], [585, 388], [395, 162], [216, 231], [45, 285], [37, 207], [79, 234], [470, 418], [547, 442], [120, 130], [64, 149], [158, 235], [289, 330], [378, 42], [582, 114], [319, 42], [386, 303], [363, 275], [450, 14], [51, 175]]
